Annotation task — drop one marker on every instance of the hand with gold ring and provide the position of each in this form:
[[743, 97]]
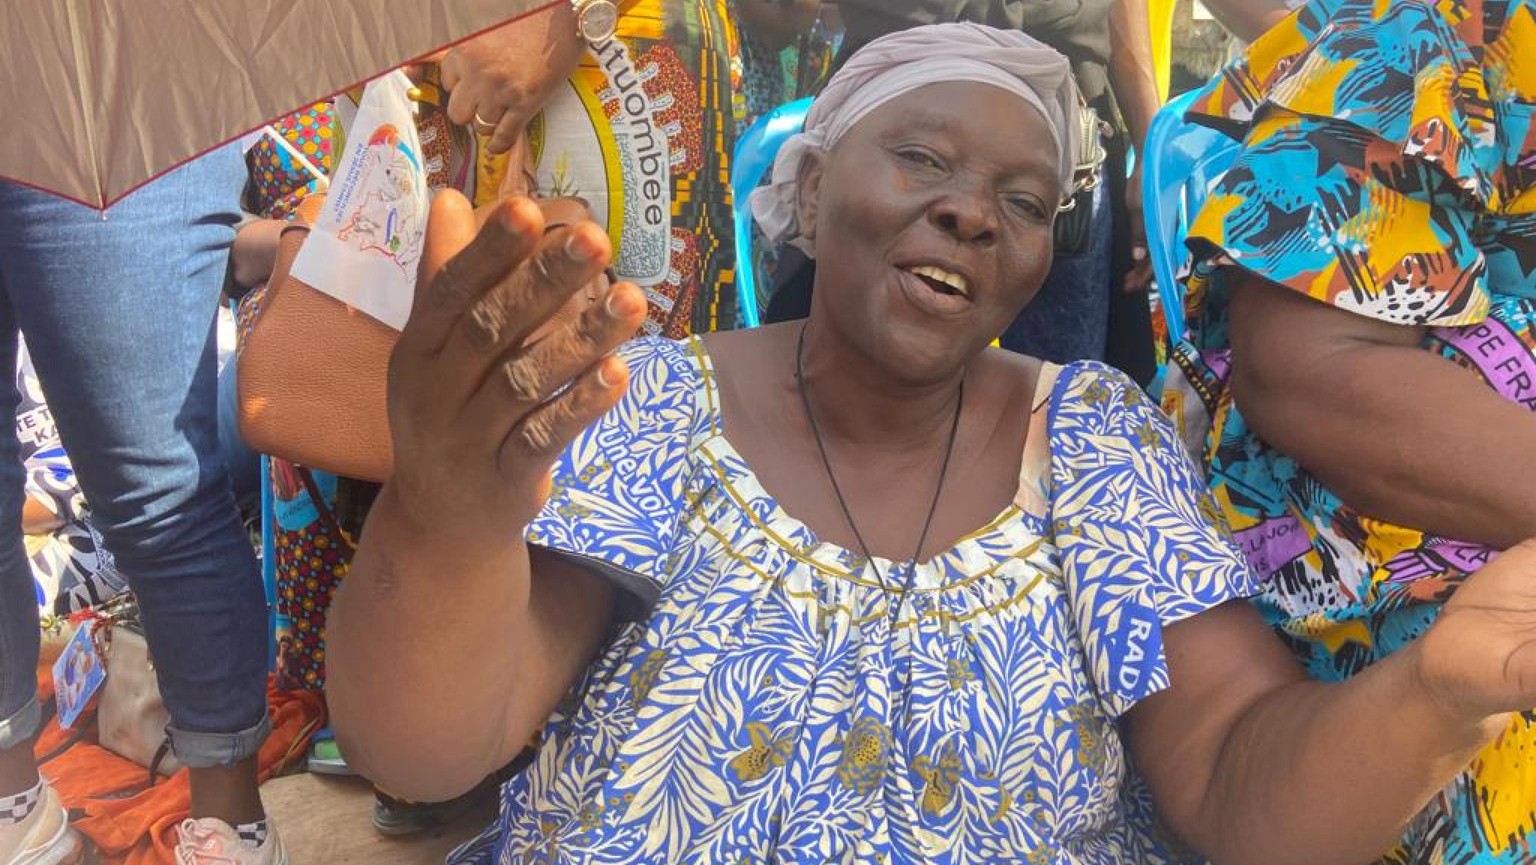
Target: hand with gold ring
[[499, 80], [483, 126]]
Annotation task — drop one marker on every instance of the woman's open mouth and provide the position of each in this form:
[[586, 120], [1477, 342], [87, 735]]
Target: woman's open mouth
[[941, 280], [935, 290]]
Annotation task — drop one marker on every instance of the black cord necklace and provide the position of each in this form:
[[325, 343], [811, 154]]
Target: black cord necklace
[[837, 490]]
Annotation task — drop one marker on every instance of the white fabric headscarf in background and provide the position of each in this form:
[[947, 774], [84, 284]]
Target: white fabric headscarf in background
[[901, 62]]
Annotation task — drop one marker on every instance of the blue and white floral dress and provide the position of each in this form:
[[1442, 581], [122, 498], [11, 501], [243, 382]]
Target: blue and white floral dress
[[763, 707]]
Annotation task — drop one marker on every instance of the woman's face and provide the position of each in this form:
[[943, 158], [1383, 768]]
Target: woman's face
[[932, 224]]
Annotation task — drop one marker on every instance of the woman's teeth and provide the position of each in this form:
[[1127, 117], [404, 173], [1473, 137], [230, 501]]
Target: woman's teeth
[[942, 280]]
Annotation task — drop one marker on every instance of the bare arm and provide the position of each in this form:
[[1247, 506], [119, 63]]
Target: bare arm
[[1398, 433], [37, 518], [451, 641], [1135, 84], [255, 251], [1250, 762], [446, 655], [1130, 67]]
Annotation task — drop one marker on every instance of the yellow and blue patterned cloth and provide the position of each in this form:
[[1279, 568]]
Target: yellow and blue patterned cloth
[[1388, 168], [768, 710]]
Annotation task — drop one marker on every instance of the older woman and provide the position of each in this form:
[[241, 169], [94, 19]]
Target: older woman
[[1363, 345], [859, 589]]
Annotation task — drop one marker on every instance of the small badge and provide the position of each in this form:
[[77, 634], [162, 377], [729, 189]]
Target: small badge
[[77, 675]]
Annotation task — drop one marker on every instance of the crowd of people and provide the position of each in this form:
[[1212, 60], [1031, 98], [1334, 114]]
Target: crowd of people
[[918, 570]]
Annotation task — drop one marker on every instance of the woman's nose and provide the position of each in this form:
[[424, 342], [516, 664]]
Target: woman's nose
[[967, 215]]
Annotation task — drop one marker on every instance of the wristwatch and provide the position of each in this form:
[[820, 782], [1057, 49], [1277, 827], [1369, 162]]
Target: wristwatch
[[596, 20]]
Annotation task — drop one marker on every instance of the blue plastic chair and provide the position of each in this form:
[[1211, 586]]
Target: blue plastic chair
[[755, 152], [269, 560], [1183, 161]]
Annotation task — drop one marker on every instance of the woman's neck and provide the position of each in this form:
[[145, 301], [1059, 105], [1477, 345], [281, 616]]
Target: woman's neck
[[857, 402]]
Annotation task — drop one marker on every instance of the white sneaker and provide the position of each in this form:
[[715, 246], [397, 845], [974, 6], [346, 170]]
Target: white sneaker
[[214, 842], [44, 838]]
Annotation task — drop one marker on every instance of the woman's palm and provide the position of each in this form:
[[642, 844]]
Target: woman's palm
[[1480, 656]]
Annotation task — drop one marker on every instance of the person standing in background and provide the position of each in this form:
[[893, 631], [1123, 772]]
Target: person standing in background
[[633, 110], [119, 316], [772, 43], [1358, 367]]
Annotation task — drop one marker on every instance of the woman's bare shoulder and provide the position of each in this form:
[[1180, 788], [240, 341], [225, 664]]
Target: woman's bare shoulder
[[1006, 372]]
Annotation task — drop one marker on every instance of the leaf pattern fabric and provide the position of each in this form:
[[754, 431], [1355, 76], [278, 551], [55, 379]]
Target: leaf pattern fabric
[[763, 706]]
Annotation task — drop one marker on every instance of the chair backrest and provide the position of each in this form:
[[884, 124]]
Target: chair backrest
[[755, 152], [1182, 161]]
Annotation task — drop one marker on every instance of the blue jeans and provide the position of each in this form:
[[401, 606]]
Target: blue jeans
[[118, 314], [1069, 319], [244, 464]]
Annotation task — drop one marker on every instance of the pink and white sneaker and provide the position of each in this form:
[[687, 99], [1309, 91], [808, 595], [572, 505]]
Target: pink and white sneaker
[[214, 842]]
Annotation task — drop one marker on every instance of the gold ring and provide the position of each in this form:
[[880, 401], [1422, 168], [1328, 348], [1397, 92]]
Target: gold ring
[[483, 126]]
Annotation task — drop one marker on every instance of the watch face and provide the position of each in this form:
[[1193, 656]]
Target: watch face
[[598, 20]]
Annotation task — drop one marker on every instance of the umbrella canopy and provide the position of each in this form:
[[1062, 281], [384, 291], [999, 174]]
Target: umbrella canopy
[[98, 97]]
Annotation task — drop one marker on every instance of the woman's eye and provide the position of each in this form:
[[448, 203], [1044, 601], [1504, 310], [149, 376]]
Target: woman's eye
[[921, 158], [1028, 207]]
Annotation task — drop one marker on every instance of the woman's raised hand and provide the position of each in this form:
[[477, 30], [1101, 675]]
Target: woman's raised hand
[[1479, 658], [479, 406]]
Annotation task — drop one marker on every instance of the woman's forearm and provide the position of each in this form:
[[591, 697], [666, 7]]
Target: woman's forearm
[[254, 254], [443, 656], [1399, 433], [1315, 774], [414, 695], [1130, 67]]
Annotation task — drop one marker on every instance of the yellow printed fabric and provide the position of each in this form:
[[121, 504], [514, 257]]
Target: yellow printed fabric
[[644, 133], [1388, 168]]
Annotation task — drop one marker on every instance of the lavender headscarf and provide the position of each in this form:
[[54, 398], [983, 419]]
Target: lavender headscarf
[[902, 62]]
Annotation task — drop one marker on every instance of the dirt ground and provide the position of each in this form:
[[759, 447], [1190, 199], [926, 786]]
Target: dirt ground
[[325, 821]]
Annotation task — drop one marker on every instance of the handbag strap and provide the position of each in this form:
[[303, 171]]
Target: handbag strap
[[324, 509]]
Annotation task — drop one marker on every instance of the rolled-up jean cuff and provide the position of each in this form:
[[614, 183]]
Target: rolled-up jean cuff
[[208, 750], [21, 726]]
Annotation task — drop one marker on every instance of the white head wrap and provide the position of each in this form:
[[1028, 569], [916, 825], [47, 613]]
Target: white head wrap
[[897, 64]]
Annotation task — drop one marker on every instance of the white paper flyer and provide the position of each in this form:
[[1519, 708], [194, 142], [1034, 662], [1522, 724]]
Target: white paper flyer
[[364, 248]]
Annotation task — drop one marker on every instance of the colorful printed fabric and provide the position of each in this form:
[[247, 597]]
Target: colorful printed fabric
[[768, 708], [645, 133], [278, 180], [1389, 169], [72, 569], [311, 560]]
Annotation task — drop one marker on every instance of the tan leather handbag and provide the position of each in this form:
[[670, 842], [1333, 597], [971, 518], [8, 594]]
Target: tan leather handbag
[[312, 373], [313, 370]]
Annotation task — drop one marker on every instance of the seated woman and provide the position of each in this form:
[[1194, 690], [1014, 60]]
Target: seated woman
[[1366, 291], [858, 589]]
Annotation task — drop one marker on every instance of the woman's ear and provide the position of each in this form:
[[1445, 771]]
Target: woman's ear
[[808, 183]]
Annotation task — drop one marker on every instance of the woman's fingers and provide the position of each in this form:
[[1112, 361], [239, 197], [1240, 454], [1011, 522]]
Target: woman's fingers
[[464, 257], [537, 440], [508, 128], [459, 264], [463, 101], [530, 375], [565, 262], [448, 63]]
